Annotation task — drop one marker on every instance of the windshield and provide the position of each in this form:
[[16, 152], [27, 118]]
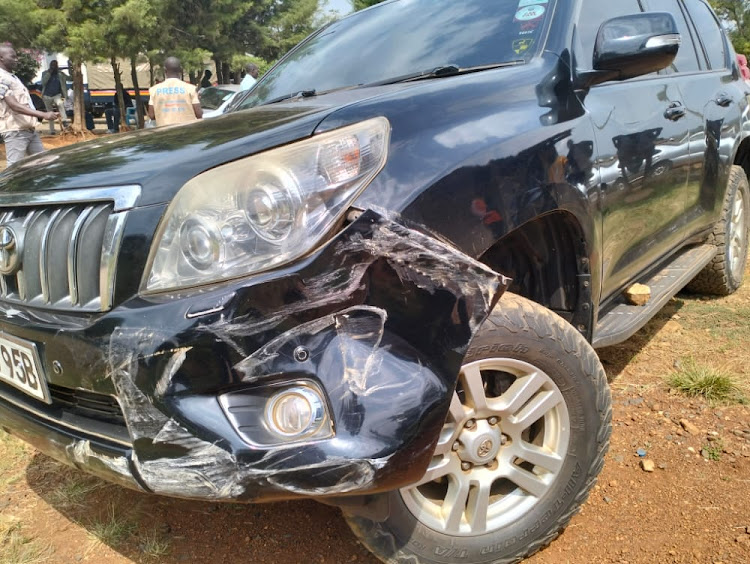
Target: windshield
[[404, 37], [211, 98]]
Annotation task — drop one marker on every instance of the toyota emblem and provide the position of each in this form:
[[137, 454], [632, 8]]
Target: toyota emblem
[[9, 255]]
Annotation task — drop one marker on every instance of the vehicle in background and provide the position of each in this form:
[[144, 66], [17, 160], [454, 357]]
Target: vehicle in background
[[216, 99]]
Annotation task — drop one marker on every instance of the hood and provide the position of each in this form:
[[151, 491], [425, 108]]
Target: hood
[[161, 160]]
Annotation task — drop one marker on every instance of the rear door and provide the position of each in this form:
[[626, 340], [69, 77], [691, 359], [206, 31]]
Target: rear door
[[642, 140], [712, 98]]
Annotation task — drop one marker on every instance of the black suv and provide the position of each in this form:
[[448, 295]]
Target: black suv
[[379, 281]]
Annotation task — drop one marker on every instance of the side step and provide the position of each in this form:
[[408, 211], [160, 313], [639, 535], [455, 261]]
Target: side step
[[623, 320]]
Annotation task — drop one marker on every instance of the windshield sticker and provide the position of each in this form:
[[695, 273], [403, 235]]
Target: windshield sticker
[[520, 46], [530, 13], [524, 3]]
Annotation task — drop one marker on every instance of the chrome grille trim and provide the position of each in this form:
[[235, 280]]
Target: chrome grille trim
[[70, 247], [44, 255], [112, 239], [123, 197], [73, 254]]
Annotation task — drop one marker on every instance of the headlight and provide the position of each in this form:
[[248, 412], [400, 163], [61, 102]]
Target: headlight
[[266, 210]]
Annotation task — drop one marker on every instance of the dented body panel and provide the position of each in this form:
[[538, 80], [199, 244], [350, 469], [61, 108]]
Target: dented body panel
[[384, 314]]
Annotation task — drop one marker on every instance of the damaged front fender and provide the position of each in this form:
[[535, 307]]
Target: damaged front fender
[[378, 320]]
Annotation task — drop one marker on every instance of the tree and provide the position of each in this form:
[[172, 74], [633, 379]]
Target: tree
[[737, 14], [27, 66], [362, 4], [18, 25]]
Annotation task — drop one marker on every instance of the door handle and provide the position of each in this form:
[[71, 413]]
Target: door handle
[[675, 111], [724, 100]]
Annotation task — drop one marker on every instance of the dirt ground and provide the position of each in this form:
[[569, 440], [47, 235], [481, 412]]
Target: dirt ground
[[693, 508]]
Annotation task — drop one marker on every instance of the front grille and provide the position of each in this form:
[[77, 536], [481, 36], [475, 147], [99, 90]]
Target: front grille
[[61, 255], [87, 404]]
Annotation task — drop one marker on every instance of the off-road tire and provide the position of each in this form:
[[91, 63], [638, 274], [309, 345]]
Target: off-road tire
[[522, 330], [717, 277]]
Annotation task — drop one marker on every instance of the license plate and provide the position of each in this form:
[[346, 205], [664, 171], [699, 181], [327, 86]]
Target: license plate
[[20, 367]]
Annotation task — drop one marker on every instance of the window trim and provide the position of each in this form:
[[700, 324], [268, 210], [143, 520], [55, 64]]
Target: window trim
[[702, 61], [727, 51]]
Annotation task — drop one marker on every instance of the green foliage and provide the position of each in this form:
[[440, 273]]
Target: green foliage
[[737, 14], [362, 4], [712, 451], [698, 380], [18, 25], [27, 66]]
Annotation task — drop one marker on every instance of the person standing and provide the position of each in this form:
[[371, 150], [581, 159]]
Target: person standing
[[54, 92], [17, 113], [112, 114], [206, 80], [173, 101], [251, 77]]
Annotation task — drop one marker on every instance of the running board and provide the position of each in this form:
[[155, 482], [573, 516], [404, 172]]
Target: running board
[[623, 320]]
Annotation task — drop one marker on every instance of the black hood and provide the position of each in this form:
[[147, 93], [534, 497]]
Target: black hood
[[163, 159]]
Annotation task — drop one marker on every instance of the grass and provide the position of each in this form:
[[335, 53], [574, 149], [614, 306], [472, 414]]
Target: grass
[[112, 529], [713, 451], [14, 452], [699, 380], [154, 545], [17, 548], [75, 489], [720, 320]]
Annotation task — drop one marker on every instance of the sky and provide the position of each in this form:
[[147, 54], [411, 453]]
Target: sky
[[341, 6]]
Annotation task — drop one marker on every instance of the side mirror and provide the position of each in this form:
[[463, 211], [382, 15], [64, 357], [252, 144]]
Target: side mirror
[[631, 46]]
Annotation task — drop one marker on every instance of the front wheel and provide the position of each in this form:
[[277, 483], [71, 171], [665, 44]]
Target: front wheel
[[524, 440]]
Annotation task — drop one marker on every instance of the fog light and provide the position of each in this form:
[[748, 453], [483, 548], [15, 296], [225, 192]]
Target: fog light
[[295, 412]]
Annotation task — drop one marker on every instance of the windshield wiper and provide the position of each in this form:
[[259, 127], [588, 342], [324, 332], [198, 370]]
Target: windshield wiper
[[443, 71], [295, 94], [309, 93]]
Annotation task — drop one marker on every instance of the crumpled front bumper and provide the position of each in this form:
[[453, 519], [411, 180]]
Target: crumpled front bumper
[[384, 314]]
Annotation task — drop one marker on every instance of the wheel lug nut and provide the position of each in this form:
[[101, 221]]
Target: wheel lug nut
[[503, 439], [470, 424], [492, 465], [456, 445], [493, 420], [466, 466]]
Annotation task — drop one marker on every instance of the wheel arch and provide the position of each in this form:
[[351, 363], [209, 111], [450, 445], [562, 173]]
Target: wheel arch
[[742, 155], [549, 260]]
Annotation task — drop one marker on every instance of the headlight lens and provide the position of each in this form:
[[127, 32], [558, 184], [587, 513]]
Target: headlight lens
[[265, 210]]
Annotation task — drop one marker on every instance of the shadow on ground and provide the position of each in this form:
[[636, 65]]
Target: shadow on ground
[[149, 529]]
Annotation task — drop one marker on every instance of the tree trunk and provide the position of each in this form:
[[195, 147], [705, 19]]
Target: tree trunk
[[225, 72], [193, 76], [138, 103], [119, 98], [219, 74], [151, 78], [79, 108]]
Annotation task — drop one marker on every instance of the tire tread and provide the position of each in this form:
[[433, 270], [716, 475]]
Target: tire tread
[[544, 324]]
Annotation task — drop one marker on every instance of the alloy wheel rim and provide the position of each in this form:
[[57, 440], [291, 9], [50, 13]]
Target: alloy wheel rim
[[499, 453], [737, 234]]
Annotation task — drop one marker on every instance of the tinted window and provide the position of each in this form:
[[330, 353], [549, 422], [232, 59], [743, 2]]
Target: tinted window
[[710, 33], [212, 97], [686, 60], [593, 14], [399, 38]]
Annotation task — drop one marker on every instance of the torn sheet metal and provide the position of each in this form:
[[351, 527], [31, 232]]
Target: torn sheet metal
[[384, 313]]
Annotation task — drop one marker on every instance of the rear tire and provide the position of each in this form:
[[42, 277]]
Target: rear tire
[[724, 274], [521, 448]]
